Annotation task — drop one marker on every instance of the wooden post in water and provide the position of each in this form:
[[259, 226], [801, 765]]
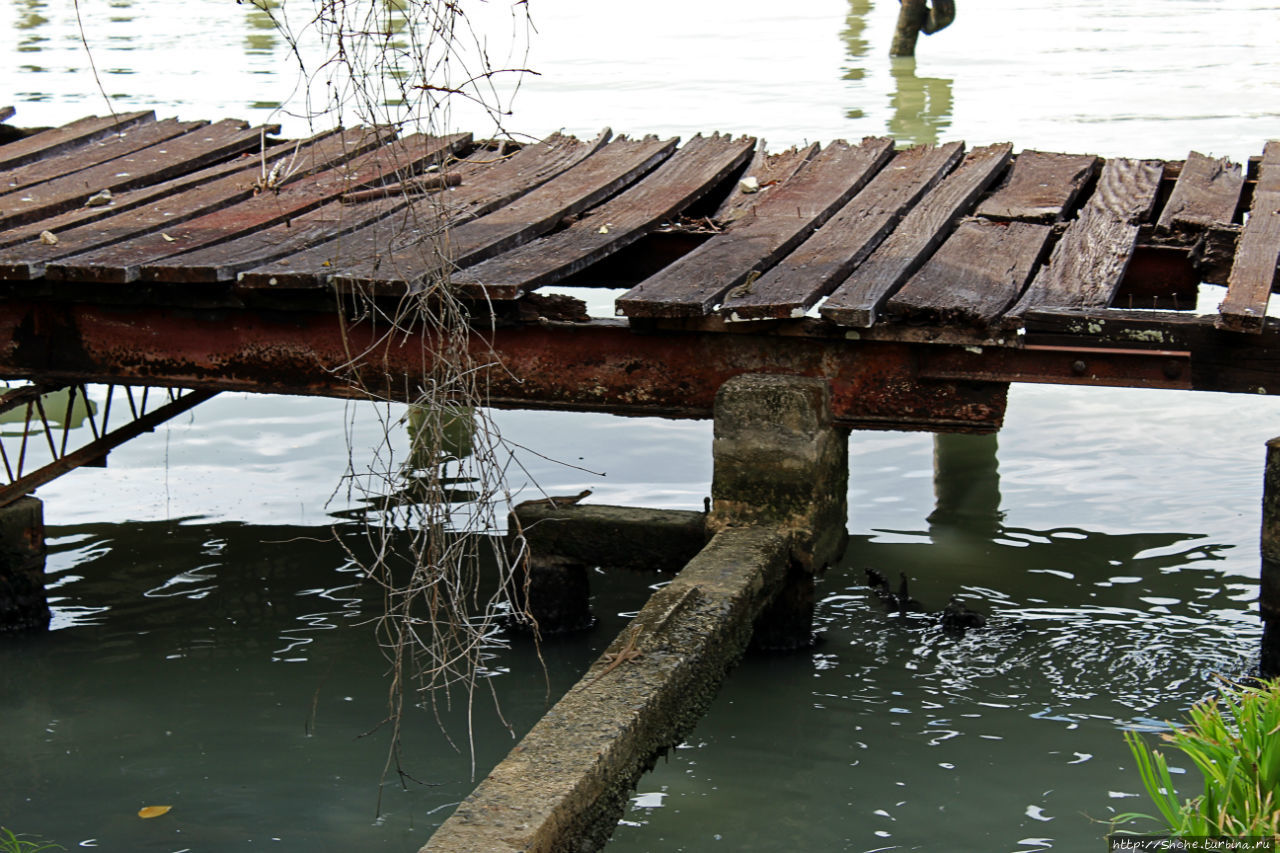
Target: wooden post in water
[[916, 17], [23, 605], [1269, 595]]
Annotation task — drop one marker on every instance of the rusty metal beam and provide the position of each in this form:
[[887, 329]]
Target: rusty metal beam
[[600, 366], [1062, 365]]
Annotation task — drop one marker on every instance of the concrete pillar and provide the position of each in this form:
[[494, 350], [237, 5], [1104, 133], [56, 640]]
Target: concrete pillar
[[781, 463], [1269, 595], [23, 605]]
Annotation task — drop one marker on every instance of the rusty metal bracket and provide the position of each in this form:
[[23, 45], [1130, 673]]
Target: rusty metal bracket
[[43, 450]]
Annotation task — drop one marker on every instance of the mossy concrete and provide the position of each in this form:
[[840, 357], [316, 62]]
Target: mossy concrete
[[23, 604], [563, 788], [555, 546], [781, 462]]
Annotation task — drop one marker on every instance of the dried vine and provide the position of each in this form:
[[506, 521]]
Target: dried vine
[[433, 505]]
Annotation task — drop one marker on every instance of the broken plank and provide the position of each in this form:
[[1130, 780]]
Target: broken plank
[[857, 300], [488, 180], [699, 165], [822, 261], [1089, 261], [17, 184], [122, 262], [397, 268], [1041, 187], [976, 274], [769, 170], [1206, 195], [55, 140], [1253, 274], [181, 154], [695, 283], [149, 209], [221, 261]]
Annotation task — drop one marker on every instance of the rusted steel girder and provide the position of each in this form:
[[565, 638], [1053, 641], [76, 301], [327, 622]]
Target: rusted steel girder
[[600, 366], [1063, 365]]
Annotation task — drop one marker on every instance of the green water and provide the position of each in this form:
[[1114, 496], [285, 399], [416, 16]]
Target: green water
[[213, 650]]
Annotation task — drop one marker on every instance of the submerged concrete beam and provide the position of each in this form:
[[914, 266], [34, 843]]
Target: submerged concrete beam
[[567, 782], [555, 543]]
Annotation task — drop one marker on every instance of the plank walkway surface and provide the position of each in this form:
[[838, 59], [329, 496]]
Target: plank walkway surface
[[931, 244]]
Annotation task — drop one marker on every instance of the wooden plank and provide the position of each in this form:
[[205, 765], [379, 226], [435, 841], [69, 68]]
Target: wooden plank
[[123, 262], [151, 209], [221, 261], [128, 199], [693, 285], [1090, 260], [977, 273], [15, 184], [856, 301], [48, 143], [1253, 275], [822, 261], [768, 170], [488, 181], [401, 264], [1041, 187], [1205, 196], [699, 165], [158, 162], [6, 113]]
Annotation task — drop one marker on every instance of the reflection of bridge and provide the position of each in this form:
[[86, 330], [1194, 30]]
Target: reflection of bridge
[[899, 289]]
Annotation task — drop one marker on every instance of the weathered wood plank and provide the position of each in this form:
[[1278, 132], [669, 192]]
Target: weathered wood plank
[[1090, 260], [17, 184], [48, 143], [976, 274], [181, 154], [404, 264], [857, 300], [221, 261], [1205, 195], [1253, 274], [1041, 187], [822, 261], [693, 285], [7, 113], [769, 170], [263, 151], [146, 210], [123, 262], [488, 181], [699, 165]]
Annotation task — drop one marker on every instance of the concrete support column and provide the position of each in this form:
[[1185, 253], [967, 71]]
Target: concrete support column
[[23, 605], [1269, 596], [781, 463]]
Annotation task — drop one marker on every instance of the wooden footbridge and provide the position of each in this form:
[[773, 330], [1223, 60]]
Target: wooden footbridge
[[793, 293], [917, 282]]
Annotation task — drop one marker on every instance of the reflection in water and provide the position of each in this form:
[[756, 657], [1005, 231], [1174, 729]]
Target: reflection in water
[[921, 105], [261, 39]]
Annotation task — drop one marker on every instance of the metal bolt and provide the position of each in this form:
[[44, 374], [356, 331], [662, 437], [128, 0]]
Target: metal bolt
[[1078, 367], [1172, 370]]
